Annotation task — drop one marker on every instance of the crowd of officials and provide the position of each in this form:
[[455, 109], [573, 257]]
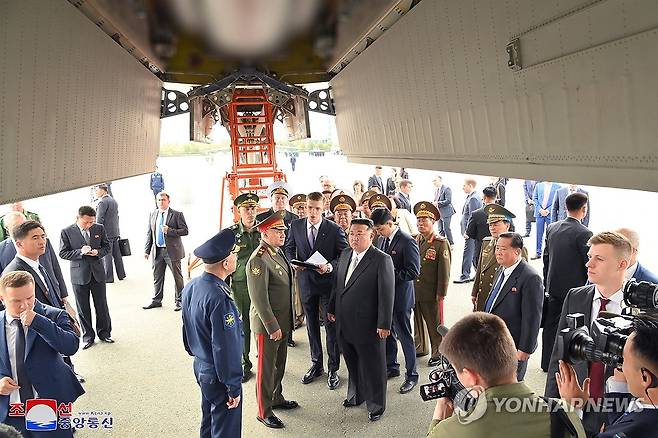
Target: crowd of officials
[[372, 269]]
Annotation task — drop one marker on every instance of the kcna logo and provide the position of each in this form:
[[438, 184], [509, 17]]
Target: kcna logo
[[41, 414]]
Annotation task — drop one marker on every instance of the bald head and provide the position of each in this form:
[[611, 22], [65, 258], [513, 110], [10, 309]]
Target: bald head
[[12, 220]]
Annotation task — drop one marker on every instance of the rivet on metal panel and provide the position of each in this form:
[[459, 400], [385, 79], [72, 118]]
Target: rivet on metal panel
[[513, 49]]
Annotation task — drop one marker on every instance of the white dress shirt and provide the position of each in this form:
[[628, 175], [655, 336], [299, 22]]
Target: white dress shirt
[[630, 271], [35, 266], [615, 304], [507, 272], [10, 333]]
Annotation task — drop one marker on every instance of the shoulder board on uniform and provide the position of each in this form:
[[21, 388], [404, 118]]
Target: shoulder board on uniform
[[439, 237], [261, 251], [486, 239], [234, 227]]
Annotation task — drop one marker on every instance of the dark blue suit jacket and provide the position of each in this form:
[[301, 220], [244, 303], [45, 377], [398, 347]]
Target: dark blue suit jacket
[[634, 424], [212, 333], [406, 260], [643, 274], [48, 338], [330, 242]]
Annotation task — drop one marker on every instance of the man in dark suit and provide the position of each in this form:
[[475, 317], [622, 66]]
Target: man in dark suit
[[107, 214], [478, 228], [635, 270], [403, 197], [361, 304], [37, 335], [405, 254], [559, 211], [85, 244], [443, 201], [565, 256], [306, 237], [376, 180], [471, 204], [517, 297], [166, 227], [609, 253]]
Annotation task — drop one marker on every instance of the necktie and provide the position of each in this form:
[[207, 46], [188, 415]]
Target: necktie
[[437, 195], [597, 369], [311, 236], [85, 235], [387, 243], [25, 390], [52, 294], [351, 268], [494, 292], [161, 239]]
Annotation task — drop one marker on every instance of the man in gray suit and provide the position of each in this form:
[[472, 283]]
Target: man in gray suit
[[609, 255], [471, 204], [559, 210], [361, 304], [85, 244], [443, 201], [107, 214], [166, 226]]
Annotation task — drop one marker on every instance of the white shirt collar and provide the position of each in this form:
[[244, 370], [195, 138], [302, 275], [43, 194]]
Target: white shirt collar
[[630, 271], [33, 264], [617, 297], [508, 271], [309, 225], [359, 255], [395, 230]]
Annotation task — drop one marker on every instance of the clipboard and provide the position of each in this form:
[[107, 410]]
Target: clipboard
[[304, 264]]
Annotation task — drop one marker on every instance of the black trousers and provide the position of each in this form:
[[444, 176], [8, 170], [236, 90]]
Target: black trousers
[[114, 256], [312, 304], [103, 322], [401, 330], [551, 323], [160, 263], [366, 366]]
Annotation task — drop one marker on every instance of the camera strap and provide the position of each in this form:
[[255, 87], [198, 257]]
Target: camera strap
[[560, 423]]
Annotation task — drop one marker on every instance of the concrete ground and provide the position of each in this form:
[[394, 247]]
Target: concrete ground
[[145, 379]]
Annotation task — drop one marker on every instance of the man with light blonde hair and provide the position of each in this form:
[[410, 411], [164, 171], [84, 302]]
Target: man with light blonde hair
[[635, 270]]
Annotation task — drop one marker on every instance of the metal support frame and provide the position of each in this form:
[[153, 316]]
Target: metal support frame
[[321, 101], [173, 103]]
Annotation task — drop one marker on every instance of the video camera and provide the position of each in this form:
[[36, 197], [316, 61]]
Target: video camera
[[444, 383], [610, 331]]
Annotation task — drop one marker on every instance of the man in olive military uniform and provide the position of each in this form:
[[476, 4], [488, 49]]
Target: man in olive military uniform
[[499, 220], [279, 194], [298, 206], [269, 279], [432, 283], [247, 240], [342, 207], [212, 333]]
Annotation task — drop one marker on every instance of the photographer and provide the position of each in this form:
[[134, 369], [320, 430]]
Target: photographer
[[482, 351], [639, 371]]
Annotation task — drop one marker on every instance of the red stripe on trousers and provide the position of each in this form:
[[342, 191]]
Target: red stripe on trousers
[[259, 375], [441, 311]]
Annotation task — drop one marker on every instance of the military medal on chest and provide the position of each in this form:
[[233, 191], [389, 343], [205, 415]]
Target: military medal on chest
[[430, 254]]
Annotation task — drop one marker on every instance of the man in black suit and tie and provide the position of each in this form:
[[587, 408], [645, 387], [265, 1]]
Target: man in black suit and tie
[[565, 256], [376, 180], [306, 237], [85, 244], [478, 228], [403, 197], [362, 305], [166, 226], [471, 204], [107, 214], [405, 254], [443, 201], [609, 253], [517, 297]]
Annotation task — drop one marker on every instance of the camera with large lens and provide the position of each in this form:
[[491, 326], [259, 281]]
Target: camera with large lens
[[604, 344], [444, 383], [641, 295]]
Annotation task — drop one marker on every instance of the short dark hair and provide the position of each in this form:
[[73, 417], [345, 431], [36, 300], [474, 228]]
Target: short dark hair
[[517, 240], [86, 210], [405, 182], [576, 201], [489, 192], [21, 231], [103, 187], [315, 196], [15, 279], [645, 341], [481, 342], [362, 221], [380, 216]]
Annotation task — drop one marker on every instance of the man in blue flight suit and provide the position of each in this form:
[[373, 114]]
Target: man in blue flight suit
[[212, 333]]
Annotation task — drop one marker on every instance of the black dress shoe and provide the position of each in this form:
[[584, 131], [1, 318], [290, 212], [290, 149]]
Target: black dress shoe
[[291, 343], [526, 235], [287, 405], [535, 257], [108, 340], [333, 380], [407, 386], [177, 308], [350, 404], [391, 374], [246, 375], [433, 362], [152, 306], [314, 372], [273, 421], [87, 345], [374, 416], [79, 377], [463, 280]]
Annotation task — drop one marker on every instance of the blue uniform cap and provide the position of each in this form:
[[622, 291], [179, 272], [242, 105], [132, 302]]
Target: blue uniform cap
[[217, 248]]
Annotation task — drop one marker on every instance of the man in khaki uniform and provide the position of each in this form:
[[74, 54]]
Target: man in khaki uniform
[[269, 279], [298, 206], [431, 285], [342, 207], [499, 220], [247, 240]]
